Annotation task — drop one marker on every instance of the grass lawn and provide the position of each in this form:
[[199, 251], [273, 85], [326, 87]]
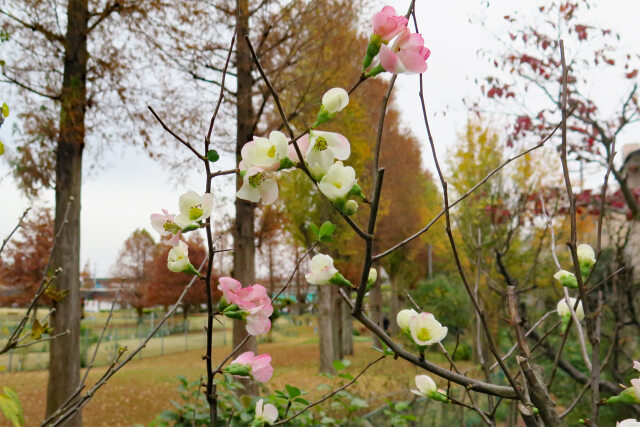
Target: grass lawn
[[145, 387]]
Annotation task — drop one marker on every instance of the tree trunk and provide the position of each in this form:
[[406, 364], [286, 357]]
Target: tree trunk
[[394, 306], [347, 328], [64, 356], [243, 229], [375, 299], [336, 323], [325, 329]]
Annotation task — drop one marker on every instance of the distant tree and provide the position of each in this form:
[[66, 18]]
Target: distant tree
[[530, 68], [75, 80], [25, 259], [132, 267]]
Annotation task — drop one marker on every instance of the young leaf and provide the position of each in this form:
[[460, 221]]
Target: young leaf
[[293, 391], [314, 229], [37, 330], [326, 230], [213, 156]]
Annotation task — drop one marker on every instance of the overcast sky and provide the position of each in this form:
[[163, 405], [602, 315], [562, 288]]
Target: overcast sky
[[119, 198]]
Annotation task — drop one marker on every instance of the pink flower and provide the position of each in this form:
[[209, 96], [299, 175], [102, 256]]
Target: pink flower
[[407, 55], [386, 24], [165, 224], [260, 366], [253, 300]]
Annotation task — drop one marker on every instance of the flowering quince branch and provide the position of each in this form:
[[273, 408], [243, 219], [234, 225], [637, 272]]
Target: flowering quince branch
[[6, 239]]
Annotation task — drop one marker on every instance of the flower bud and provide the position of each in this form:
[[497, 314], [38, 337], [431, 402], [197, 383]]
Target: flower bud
[[564, 311], [403, 319], [350, 207], [586, 259], [566, 278], [178, 260], [335, 100]]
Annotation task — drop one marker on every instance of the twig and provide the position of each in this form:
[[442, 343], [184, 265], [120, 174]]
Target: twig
[[231, 354], [464, 196], [104, 329], [176, 136], [6, 239], [65, 411], [295, 270]]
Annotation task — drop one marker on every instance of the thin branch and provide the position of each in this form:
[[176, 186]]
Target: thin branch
[[6, 239], [176, 136]]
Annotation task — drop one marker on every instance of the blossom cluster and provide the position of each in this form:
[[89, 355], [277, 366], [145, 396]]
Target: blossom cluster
[[322, 154], [407, 54], [194, 210]]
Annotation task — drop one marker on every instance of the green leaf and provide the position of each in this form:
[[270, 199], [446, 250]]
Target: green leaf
[[346, 376], [293, 391], [5, 110], [314, 229], [326, 230], [339, 365], [213, 156], [359, 403], [301, 400]]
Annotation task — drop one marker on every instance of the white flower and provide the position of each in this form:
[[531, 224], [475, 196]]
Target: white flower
[[178, 259], [323, 148], [338, 181], [334, 100], [566, 278], [629, 422], [193, 208], [264, 153], [403, 318], [256, 186], [266, 413], [425, 386], [563, 308], [426, 330], [322, 270]]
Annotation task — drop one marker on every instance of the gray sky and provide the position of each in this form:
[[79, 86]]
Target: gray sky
[[120, 198]]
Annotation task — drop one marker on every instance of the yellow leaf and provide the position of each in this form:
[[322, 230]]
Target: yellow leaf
[[5, 110], [56, 295]]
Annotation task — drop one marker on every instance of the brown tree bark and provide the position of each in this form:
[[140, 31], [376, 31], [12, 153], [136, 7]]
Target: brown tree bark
[[375, 301], [325, 328], [64, 356], [394, 305], [336, 323], [346, 336], [243, 228]]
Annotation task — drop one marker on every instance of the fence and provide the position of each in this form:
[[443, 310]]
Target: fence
[[126, 329]]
